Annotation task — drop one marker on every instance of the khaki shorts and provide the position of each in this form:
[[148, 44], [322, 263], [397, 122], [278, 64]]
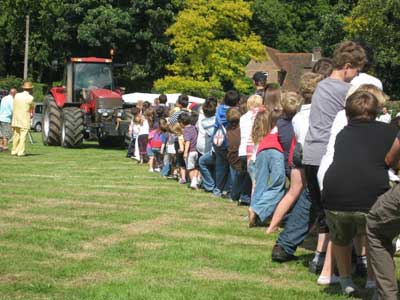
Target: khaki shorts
[[191, 160], [345, 225], [5, 130]]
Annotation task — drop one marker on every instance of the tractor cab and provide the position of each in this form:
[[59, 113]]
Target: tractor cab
[[86, 105], [84, 74]]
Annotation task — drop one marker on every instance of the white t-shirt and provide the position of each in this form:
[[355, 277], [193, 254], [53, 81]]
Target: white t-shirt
[[144, 128], [300, 123], [338, 124], [364, 78], [385, 118], [246, 125]]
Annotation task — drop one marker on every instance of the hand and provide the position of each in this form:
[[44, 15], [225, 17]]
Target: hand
[[185, 155]]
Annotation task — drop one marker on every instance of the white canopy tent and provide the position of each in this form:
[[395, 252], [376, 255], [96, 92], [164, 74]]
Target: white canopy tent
[[133, 98]]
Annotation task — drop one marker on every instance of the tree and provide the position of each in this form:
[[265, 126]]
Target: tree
[[212, 43], [332, 31], [290, 26], [378, 23], [65, 28]]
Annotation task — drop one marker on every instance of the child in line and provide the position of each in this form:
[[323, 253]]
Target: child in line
[[179, 149], [134, 129], [157, 138], [190, 153], [269, 167], [143, 136], [241, 182], [357, 176]]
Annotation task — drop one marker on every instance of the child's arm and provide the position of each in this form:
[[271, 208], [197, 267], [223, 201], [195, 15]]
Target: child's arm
[[181, 144], [186, 152]]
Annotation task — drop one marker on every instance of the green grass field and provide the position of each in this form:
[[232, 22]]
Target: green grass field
[[90, 224]]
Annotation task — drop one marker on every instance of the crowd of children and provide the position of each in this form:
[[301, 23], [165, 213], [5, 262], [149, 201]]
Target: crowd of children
[[311, 157]]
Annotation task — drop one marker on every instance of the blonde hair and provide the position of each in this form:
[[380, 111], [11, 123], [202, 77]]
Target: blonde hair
[[264, 122], [377, 92], [254, 101], [176, 129], [290, 103], [308, 84]]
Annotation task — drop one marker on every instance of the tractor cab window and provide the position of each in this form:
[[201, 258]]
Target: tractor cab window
[[91, 76], [38, 109]]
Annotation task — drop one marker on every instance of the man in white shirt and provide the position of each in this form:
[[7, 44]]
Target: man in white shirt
[[6, 110], [385, 117], [364, 78]]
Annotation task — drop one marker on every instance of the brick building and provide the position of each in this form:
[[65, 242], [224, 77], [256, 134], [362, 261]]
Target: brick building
[[284, 67]]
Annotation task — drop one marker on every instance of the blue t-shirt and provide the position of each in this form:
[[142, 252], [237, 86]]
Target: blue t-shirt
[[6, 109]]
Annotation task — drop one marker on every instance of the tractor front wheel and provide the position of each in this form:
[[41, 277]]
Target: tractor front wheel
[[128, 116], [51, 123], [72, 127]]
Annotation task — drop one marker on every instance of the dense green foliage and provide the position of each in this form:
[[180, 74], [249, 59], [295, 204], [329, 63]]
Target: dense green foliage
[[213, 43], [61, 29], [192, 45], [378, 23]]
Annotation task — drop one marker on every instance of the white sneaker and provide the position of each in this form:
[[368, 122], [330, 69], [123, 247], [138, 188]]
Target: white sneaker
[[157, 170], [326, 280], [370, 284], [151, 170], [193, 184]]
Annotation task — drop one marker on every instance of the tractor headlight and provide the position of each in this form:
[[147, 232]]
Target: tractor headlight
[[106, 111]]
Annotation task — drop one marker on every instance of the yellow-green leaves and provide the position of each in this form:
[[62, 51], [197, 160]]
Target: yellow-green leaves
[[212, 43]]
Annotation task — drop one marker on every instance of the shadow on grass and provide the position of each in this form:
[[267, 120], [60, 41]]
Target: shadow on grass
[[27, 155], [335, 290], [97, 146]]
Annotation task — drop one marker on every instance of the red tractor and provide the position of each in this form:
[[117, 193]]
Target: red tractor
[[87, 105]]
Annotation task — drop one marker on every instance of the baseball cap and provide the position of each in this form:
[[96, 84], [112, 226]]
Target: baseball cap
[[260, 76]]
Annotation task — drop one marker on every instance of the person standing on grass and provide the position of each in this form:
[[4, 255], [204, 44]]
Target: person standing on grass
[[222, 178], [190, 153], [357, 176], [328, 99], [241, 182], [21, 120], [6, 111], [383, 225]]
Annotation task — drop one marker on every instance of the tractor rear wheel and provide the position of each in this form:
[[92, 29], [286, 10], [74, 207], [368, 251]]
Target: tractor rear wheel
[[72, 127], [51, 132]]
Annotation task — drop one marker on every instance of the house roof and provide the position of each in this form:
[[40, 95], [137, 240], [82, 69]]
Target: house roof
[[295, 64]]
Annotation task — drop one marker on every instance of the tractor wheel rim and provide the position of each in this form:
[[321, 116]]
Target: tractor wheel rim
[[46, 125], [63, 133]]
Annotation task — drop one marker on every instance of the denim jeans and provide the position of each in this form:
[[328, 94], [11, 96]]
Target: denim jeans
[[131, 148], [240, 186], [270, 183], [297, 224], [206, 167], [222, 180], [166, 166]]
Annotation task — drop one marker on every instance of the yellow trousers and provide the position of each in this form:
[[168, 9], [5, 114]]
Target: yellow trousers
[[19, 139]]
